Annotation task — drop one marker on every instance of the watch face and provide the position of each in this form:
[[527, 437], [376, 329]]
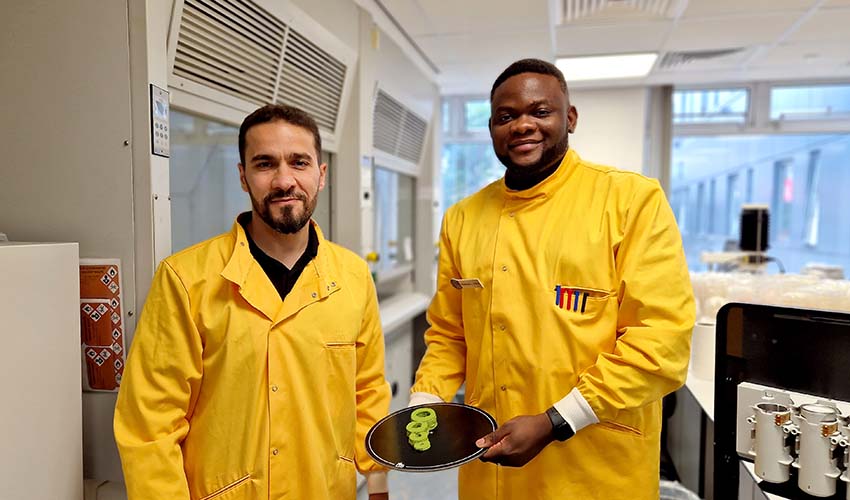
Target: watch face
[[561, 429], [564, 432]]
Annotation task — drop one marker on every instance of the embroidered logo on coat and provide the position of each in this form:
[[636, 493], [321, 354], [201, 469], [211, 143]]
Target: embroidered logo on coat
[[571, 299]]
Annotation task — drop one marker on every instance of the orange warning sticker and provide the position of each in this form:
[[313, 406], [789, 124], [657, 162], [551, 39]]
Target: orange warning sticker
[[101, 324]]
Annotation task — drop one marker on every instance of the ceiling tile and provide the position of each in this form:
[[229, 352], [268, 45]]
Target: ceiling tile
[[471, 41], [721, 8], [472, 48], [611, 39], [482, 16], [806, 55], [827, 25], [741, 31]]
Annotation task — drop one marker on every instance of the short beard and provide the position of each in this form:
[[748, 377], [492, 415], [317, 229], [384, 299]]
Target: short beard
[[548, 162], [288, 222]]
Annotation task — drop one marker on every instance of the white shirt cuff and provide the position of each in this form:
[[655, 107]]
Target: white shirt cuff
[[423, 398], [376, 482], [576, 411]]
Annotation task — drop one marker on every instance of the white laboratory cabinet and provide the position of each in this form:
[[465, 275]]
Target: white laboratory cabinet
[[41, 447]]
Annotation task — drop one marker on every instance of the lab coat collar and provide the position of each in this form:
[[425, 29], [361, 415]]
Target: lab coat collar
[[550, 184], [318, 280]]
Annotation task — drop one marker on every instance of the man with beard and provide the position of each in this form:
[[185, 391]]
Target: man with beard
[[564, 303], [257, 365]]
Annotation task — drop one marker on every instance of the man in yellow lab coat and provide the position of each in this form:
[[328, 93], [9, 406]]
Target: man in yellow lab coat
[[573, 316], [258, 362]]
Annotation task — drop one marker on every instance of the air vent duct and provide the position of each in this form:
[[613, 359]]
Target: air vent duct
[[228, 49], [673, 60], [311, 79], [233, 47], [574, 10], [397, 130]]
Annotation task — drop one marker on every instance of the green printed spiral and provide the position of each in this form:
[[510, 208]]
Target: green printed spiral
[[423, 420], [416, 427], [422, 445], [415, 437], [426, 415]]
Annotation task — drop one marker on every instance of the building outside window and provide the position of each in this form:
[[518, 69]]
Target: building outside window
[[789, 149], [783, 197], [701, 209], [812, 213], [734, 200], [712, 197]]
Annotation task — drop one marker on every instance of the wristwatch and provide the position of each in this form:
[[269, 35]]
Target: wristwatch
[[561, 429]]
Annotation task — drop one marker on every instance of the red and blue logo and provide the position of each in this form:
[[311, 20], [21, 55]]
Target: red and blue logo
[[569, 298]]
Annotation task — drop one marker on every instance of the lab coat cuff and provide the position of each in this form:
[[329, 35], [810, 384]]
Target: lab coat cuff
[[576, 410], [376, 482], [423, 398]]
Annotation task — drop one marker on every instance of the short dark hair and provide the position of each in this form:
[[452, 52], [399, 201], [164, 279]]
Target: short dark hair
[[282, 112], [529, 66]]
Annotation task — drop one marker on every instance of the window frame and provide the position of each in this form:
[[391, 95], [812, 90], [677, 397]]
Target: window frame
[[758, 120], [837, 117], [457, 120], [748, 88]]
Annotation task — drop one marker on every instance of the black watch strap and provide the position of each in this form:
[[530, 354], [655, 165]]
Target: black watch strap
[[561, 429]]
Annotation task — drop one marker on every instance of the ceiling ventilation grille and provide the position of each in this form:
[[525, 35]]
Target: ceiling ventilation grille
[[574, 10], [672, 60], [397, 130], [238, 48]]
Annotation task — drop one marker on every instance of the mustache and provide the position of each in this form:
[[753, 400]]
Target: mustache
[[281, 193]]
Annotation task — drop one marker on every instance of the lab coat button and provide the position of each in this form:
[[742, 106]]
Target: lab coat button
[[504, 388], [274, 388], [314, 295], [502, 327], [504, 268], [274, 451], [511, 214]]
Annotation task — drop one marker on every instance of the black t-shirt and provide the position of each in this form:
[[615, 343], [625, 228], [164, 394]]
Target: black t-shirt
[[281, 277]]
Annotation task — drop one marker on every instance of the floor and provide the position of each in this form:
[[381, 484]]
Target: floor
[[420, 486]]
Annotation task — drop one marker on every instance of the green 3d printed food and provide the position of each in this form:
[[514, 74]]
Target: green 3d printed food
[[422, 422]]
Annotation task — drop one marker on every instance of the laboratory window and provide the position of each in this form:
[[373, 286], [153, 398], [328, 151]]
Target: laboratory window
[[466, 168], [206, 195], [395, 202], [812, 102], [710, 106], [477, 115], [803, 178]]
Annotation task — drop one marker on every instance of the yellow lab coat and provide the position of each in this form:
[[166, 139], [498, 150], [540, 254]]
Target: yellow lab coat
[[230, 393], [585, 286]]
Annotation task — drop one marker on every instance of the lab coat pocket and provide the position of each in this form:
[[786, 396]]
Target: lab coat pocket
[[580, 302], [344, 485], [339, 384], [232, 491], [619, 427]]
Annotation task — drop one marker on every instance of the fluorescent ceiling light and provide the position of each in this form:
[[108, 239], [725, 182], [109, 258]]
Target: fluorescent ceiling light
[[606, 67]]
